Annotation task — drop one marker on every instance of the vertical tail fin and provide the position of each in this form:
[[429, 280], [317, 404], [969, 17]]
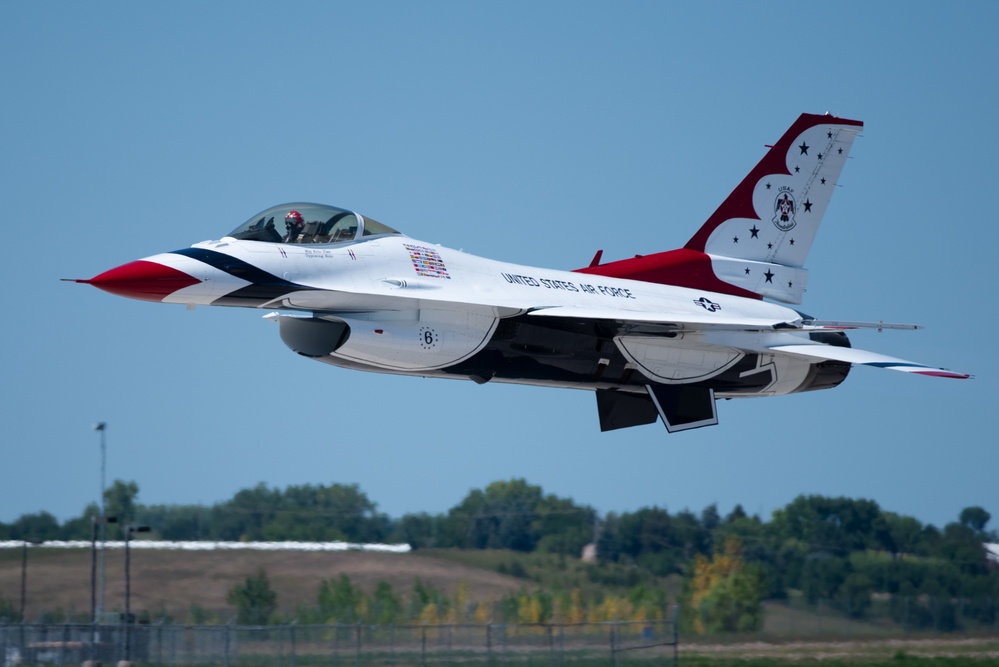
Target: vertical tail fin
[[755, 244]]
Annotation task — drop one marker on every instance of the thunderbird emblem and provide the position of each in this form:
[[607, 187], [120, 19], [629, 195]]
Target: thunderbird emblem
[[784, 207]]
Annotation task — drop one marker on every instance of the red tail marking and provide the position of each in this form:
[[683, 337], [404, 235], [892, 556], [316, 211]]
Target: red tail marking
[[739, 204]]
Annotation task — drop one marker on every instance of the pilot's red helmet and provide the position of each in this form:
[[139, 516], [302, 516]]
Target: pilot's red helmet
[[293, 218]]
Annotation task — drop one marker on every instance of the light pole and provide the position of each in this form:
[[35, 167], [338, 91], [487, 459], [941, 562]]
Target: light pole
[[94, 522], [128, 586], [24, 572], [99, 608], [24, 583]]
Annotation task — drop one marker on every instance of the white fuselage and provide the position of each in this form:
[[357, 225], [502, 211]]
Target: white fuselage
[[416, 308]]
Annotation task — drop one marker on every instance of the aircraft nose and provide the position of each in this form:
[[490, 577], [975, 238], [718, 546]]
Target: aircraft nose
[[142, 279]]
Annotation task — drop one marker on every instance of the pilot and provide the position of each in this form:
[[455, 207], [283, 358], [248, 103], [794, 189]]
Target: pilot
[[294, 223]]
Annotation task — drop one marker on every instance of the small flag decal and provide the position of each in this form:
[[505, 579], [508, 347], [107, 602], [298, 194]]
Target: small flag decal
[[427, 262]]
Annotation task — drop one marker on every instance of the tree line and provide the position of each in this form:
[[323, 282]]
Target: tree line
[[338, 600], [843, 550]]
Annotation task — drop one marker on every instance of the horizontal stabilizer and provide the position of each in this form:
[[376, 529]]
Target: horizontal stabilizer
[[837, 325], [852, 355]]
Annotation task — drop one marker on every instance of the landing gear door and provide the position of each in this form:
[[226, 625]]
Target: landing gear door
[[683, 407]]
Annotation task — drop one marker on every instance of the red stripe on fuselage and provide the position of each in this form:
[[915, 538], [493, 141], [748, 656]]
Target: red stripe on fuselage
[[682, 267]]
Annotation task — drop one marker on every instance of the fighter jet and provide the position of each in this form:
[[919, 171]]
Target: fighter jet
[[662, 335]]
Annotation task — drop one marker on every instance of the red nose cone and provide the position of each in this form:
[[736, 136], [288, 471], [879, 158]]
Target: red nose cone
[[144, 280]]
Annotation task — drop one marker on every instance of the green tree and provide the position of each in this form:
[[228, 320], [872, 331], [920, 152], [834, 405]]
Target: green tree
[[80, 528], [255, 601], [321, 512], [822, 576], [710, 518], [119, 501], [198, 615], [854, 594], [647, 531], [424, 594], [503, 516], [37, 526], [655, 540], [723, 593], [307, 513], [691, 535], [8, 613], [651, 599], [834, 525], [975, 519], [244, 516], [649, 538], [563, 526], [907, 534], [417, 530], [386, 607], [736, 514], [963, 547], [609, 547], [176, 522], [339, 601]]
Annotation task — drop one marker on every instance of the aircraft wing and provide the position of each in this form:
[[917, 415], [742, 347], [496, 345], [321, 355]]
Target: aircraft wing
[[651, 322], [852, 355], [664, 321]]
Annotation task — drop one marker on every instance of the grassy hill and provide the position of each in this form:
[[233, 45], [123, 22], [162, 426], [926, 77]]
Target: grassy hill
[[173, 581]]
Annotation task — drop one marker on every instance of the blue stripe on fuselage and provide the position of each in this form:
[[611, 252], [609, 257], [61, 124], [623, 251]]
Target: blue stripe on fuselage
[[264, 287]]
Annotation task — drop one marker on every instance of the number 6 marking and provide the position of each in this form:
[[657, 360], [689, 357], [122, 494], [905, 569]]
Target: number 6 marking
[[428, 338]]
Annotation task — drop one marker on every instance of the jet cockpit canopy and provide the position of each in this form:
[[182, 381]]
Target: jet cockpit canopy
[[302, 222]]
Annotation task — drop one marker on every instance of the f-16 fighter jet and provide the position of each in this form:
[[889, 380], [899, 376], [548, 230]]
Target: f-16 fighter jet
[[662, 335]]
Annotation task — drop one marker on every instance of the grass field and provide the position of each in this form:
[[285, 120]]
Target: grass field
[[901, 658], [932, 651]]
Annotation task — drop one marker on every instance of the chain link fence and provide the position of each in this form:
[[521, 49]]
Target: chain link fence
[[493, 645], [614, 644]]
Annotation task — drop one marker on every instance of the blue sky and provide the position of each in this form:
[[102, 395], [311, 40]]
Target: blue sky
[[534, 133]]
